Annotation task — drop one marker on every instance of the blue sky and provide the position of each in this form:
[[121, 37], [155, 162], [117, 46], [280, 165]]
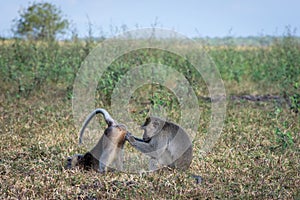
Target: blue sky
[[190, 17]]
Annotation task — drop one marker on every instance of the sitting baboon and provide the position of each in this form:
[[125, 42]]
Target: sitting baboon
[[108, 152], [165, 142]]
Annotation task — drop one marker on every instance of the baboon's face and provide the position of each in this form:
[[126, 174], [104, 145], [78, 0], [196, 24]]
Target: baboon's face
[[151, 127], [74, 161], [86, 161]]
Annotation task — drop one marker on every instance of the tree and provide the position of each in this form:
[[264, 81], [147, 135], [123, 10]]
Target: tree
[[40, 21]]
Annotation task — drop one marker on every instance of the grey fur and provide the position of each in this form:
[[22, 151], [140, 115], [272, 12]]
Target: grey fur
[[107, 154], [165, 142]]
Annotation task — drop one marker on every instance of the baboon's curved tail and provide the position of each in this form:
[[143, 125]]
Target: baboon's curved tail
[[108, 119]]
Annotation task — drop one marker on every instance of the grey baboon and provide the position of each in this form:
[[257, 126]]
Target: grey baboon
[[108, 152], [165, 142]]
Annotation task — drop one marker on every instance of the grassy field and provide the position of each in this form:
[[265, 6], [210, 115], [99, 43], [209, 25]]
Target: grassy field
[[256, 157]]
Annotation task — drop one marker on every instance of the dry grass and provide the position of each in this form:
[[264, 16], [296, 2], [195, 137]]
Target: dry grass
[[37, 134]]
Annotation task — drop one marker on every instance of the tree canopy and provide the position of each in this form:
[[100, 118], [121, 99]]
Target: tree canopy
[[40, 21]]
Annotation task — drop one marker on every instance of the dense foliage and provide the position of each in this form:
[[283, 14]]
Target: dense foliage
[[27, 66], [40, 21]]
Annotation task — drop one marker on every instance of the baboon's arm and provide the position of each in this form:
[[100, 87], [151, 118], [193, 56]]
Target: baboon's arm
[[145, 147], [140, 144]]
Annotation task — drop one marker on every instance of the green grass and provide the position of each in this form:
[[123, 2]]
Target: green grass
[[257, 155]]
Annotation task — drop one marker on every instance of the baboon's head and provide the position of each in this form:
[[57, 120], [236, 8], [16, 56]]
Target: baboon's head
[[86, 161], [74, 161], [116, 134], [151, 127]]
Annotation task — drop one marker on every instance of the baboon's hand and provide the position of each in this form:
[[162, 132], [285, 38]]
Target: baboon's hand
[[127, 135], [129, 138]]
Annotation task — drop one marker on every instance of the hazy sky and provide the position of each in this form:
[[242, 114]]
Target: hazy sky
[[190, 17]]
